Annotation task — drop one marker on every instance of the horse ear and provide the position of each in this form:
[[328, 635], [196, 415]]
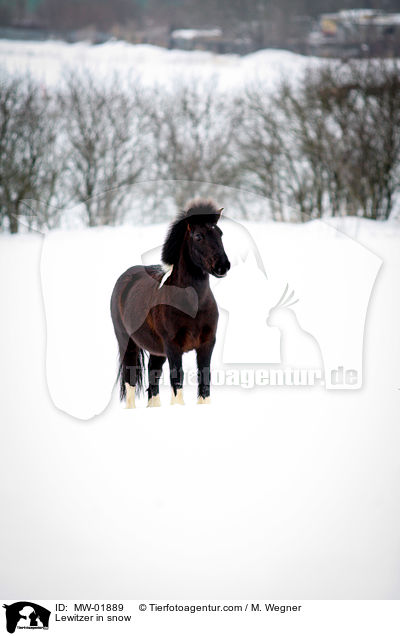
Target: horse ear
[[220, 211]]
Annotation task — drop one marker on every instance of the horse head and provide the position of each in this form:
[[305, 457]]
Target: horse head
[[196, 232]]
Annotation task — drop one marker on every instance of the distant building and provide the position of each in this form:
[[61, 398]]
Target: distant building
[[356, 33], [212, 39]]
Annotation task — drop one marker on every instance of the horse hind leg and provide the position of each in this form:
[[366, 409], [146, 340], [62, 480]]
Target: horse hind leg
[[131, 372], [130, 396], [155, 371]]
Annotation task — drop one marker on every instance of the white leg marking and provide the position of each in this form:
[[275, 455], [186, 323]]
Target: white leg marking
[[130, 396], [178, 398], [206, 400], [154, 401]]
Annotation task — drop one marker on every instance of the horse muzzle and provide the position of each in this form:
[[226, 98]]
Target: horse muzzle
[[221, 268]]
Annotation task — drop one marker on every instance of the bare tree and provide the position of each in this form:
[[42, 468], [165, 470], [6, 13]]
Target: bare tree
[[105, 140], [193, 128], [29, 165], [328, 146], [360, 109], [272, 162]]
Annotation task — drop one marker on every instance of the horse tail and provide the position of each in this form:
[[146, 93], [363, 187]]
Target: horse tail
[[131, 369]]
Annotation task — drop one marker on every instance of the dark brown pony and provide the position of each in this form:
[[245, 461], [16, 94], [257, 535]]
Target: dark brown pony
[[169, 312]]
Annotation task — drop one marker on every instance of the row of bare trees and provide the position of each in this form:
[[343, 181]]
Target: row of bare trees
[[328, 144]]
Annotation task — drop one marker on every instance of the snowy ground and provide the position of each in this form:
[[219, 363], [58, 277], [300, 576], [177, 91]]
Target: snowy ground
[[267, 493], [49, 60]]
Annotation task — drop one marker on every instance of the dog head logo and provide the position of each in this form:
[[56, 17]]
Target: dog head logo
[[25, 614]]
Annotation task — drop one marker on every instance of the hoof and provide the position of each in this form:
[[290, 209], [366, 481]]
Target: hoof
[[206, 400], [154, 401], [178, 398], [130, 396]]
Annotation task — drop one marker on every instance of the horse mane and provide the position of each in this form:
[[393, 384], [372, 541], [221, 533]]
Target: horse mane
[[198, 212]]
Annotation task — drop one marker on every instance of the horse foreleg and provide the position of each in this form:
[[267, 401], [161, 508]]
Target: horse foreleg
[[176, 374], [204, 354]]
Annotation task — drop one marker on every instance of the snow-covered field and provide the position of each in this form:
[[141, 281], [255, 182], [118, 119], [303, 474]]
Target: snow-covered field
[[49, 60], [269, 492]]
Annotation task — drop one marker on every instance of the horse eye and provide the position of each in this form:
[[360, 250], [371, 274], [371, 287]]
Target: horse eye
[[197, 236]]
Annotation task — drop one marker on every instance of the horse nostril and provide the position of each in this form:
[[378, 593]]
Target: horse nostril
[[225, 267], [222, 268]]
